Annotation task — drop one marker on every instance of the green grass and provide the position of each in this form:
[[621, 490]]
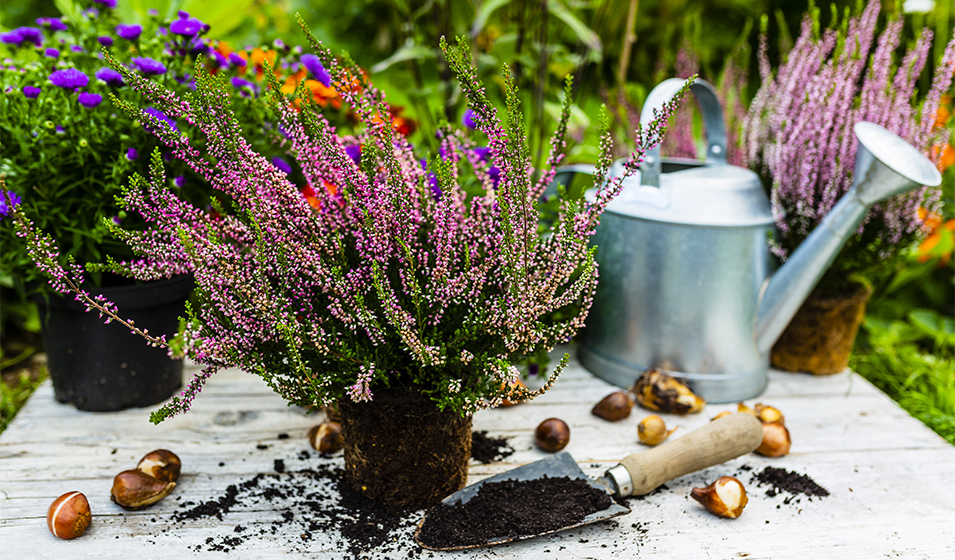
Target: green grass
[[13, 398], [913, 361]]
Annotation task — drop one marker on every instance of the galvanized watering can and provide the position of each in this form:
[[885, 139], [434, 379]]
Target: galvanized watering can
[[687, 281]]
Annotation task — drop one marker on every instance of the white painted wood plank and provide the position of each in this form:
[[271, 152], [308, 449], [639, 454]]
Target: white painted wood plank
[[890, 477]]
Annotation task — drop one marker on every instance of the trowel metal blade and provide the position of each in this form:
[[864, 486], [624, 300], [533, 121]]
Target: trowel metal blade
[[558, 465]]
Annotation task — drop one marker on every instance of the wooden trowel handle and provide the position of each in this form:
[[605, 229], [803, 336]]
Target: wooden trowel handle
[[721, 440]]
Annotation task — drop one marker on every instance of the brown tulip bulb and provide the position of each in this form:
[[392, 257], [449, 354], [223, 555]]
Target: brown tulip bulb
[[741, 407], [652, 430], [776, 440], [69, 515], [726, 497], [769, 414], [326, 437], [614, 407], [135, 489], [161, 464], [660, 392], [552, 435]]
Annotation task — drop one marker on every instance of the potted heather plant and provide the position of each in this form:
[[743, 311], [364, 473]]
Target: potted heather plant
[[798, 134], [67, 151], [396, 295]]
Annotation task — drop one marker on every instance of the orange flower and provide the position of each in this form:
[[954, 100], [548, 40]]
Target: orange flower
[[941, 243], [291, 83], [323, 95], [944, 111], [930, 221]]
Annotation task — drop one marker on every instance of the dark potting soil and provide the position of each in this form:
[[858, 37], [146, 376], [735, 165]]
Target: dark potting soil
[[514, 509], [781, 480], [486, 449], [309, 503]]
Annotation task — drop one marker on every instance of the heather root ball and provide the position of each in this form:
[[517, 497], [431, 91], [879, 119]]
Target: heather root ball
[[552, 435]]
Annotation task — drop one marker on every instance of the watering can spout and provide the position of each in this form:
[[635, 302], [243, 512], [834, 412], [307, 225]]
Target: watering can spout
[[885, 166]]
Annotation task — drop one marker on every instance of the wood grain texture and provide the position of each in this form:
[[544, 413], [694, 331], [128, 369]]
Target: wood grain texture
[[890, 477]]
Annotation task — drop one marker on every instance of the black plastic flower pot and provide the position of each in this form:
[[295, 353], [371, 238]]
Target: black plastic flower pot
[[102, 368]]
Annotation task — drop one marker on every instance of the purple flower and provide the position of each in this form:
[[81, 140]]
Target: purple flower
[[246, 87], [179, 181], [69, 78], [318, 71], [153, 12], [282, 165], [187, 27], [354, 152], [110, 76], [54, 24], [5, 207], [237, 60], [159, 115], [11, 37], [132, 154], [482, 152], [90, 100], [60, 129], [76, 48], [149, 66], [22, 35], [433, 183], [105, 40], [129, 32], [31, 92], [495, 174], [106, 3], [52, 53], [468, 119], [92, 13], [219, 60], [279, 45]]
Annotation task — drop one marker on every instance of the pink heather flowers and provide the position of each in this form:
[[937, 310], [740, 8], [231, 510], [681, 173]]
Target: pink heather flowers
[[798, 132], [391, 277]]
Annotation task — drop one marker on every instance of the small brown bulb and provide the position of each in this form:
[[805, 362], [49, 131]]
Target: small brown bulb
[[726, 497], [135, 489], [769, 414], [776, 440], [660, 392], [326, 437], [69, 515], [614, 407], [552, 435], [720, 415], [161, 464], [652, 430]]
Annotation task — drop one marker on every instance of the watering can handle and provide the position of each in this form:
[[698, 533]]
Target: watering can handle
[[712, 121]]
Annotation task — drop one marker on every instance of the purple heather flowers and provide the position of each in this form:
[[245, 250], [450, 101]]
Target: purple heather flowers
[[799, 127], [316, 68], [69, 78], [149, 66]]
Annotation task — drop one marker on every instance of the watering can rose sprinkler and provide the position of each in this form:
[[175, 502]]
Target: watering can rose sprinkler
[[687, 281]]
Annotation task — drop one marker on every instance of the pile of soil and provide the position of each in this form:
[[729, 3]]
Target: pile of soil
[[781, 480], [309, 502], [512, 509], [486, 449]]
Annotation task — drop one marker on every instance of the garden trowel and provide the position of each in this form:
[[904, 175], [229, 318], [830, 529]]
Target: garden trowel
[[638, 474]]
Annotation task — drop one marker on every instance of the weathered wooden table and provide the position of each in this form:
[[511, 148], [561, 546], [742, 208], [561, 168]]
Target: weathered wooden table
[[890, 481]]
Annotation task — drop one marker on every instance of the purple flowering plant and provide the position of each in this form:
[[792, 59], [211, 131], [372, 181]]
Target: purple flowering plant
[[393, 278], [798, 134], [65, 144]]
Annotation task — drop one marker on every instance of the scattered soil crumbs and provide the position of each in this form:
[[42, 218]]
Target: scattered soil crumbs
[[306, 503], [514, 509], [781, 480], [487, 449]]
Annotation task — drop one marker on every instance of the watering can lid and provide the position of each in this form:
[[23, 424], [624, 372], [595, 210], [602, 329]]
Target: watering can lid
[[716, 195]]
